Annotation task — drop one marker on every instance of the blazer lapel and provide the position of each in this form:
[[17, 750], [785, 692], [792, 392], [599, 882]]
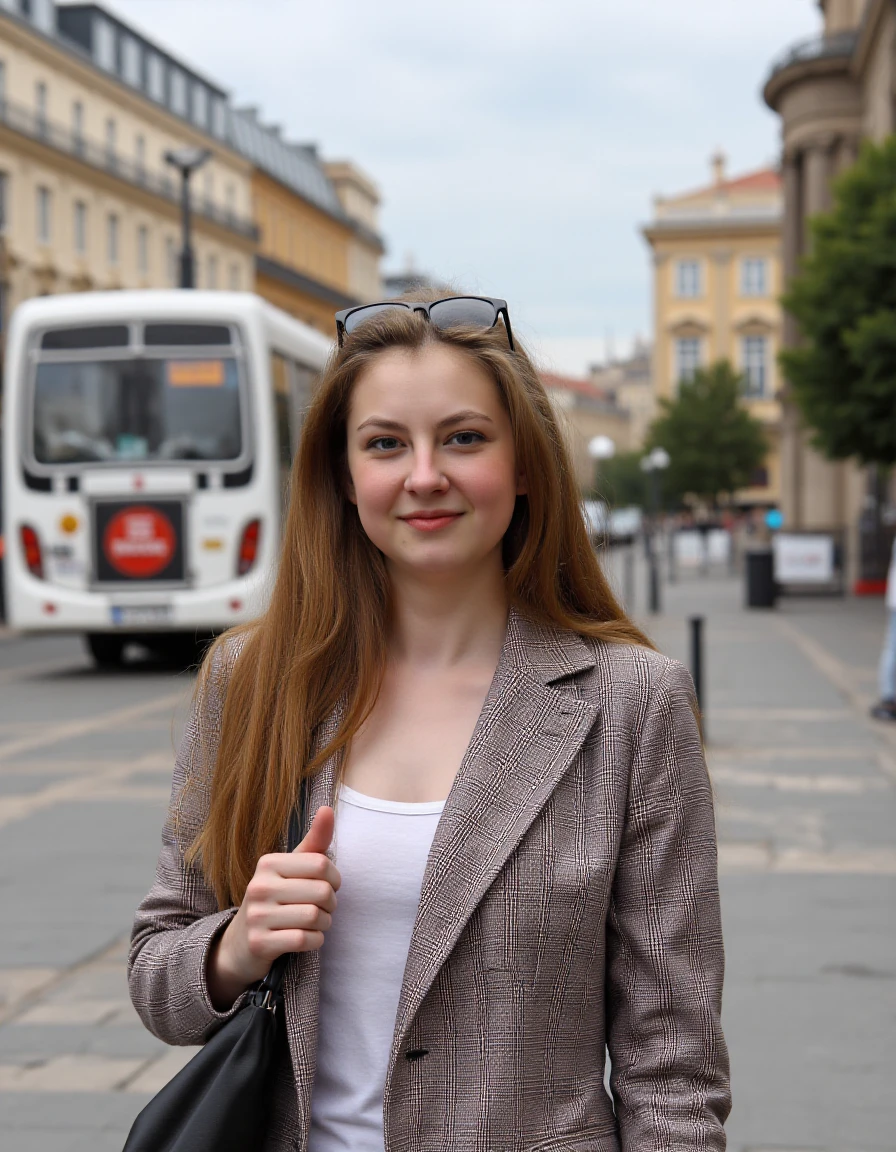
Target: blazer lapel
[[528, 734], [301, 988]]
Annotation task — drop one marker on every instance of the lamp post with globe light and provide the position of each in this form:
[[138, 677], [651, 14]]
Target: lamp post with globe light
[[599, 448], [654, 464], [186, 161]]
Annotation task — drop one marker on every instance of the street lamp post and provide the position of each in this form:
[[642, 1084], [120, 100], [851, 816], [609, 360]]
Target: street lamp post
[[654, 464], [186, 161], [600, 448]]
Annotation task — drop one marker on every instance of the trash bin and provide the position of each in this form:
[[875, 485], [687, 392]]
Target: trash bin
[[762, 591]]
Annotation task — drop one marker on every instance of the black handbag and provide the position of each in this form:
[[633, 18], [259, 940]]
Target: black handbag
[[219, 1101]]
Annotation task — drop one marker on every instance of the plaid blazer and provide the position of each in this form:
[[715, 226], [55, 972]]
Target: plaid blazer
[[569, 909]]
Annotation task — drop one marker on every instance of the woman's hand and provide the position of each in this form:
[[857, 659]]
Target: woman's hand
[[288, 907]]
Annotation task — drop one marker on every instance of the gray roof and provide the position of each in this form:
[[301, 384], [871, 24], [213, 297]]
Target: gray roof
[[294, 165]]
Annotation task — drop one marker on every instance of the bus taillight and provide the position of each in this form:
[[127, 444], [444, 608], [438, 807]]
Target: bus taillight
[[31, 547], [248, 547]]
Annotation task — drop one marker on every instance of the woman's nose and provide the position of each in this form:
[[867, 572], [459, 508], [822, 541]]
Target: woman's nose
[[425, 474]]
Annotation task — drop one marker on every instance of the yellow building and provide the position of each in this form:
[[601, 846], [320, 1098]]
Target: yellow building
[[88, 109], [318, 247], [717, 279]]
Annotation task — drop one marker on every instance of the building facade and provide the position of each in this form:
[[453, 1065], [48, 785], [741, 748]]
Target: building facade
[[318, 247], [717, 279], [629, 381], [831, 92], [584, 411], [88, 109]]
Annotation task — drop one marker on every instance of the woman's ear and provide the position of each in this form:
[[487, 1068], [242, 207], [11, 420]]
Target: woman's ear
[[522, 488], [348, 487]]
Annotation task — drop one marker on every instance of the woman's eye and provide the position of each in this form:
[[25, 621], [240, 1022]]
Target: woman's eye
[[466, 439], [385, 443]]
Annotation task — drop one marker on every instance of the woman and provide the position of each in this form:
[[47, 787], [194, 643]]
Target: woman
[[524, 849]]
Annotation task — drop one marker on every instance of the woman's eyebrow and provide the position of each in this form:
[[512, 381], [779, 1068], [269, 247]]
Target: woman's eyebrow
[[395, 426]]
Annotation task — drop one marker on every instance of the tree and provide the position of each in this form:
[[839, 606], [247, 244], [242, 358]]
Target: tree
[[620, 481], [714, 443], [843, 375]]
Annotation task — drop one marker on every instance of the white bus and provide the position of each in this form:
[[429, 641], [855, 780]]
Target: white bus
[[146, 442]]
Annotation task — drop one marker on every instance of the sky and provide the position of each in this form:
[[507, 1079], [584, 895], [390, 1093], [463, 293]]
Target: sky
[[517, 146]]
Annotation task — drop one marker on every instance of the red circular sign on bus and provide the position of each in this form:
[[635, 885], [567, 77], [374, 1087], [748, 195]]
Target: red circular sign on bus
[[139, 542]]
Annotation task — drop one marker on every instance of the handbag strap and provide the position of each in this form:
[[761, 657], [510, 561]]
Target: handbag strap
[[267, 995]]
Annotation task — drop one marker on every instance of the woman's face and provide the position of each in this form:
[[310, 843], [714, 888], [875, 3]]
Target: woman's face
[[431, 460]]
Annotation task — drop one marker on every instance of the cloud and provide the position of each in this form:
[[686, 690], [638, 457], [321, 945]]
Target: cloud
[[517, 145]]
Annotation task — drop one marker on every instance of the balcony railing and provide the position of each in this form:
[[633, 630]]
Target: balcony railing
[[840, 44], [37, 127]]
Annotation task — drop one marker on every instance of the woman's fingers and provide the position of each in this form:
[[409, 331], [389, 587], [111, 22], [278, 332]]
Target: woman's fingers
[[301, 866], [277, 917]]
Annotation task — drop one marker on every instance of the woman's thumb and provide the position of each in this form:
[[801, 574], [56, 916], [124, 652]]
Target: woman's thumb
[[320, 834]]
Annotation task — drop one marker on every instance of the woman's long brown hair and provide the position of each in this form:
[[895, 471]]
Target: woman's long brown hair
[[323, 638]]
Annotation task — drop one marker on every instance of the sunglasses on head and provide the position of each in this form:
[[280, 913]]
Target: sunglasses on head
[[452, 312]]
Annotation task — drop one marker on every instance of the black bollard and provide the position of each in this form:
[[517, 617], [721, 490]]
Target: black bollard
[[696, 623]]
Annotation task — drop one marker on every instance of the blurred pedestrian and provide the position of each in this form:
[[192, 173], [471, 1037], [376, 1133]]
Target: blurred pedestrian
[[506, 785], [885, 708]]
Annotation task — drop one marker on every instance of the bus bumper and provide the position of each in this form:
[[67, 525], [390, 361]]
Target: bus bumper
[[39, 606]]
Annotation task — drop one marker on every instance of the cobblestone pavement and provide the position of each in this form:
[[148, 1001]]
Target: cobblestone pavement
[[805, 801]]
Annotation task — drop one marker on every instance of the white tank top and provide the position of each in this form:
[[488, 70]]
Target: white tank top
[[380, 848]]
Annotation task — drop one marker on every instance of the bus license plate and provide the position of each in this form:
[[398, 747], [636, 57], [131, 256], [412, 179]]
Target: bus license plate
[[130, 614]]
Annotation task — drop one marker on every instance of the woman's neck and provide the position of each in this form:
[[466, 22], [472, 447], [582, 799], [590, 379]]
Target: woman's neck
[[446, 623]]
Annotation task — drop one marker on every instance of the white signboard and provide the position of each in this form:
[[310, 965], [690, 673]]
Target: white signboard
[[803, 559]]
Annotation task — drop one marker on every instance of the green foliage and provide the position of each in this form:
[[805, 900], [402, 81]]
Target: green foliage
[[843, 376], [714, 443], [620, 481]]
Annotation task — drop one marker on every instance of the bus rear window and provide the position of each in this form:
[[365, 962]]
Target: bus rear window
[[94, 336], [137, 410], [180, 335]]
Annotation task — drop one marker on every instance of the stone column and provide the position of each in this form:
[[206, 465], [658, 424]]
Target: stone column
[[793, 232]]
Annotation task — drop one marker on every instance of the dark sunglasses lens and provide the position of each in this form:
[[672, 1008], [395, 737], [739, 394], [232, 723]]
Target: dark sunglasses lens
[[463, 312], [354, 319]]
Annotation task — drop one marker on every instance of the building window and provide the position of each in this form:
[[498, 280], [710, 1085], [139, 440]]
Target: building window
[[754, 276], [44, 215], [78, 126], [111, 142], [687, 279], [40, 105], [687, 357], [155, 77], [219, 117], [130, 61], [104, 44], [235, 278], [4, 200], [200, 105], [43, 15], [211, 274], [177, 85], [80, 227], [143, 250], [140, 157], [112, 238], [754, 359], [2, 84]]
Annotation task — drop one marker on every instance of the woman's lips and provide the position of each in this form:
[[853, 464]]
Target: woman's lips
[[430, 523]]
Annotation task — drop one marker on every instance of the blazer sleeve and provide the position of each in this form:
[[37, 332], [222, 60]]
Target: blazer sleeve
[[665, 959], [177, 922]]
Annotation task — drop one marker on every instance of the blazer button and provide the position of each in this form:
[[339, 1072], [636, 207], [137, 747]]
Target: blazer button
[[416, 1053]]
